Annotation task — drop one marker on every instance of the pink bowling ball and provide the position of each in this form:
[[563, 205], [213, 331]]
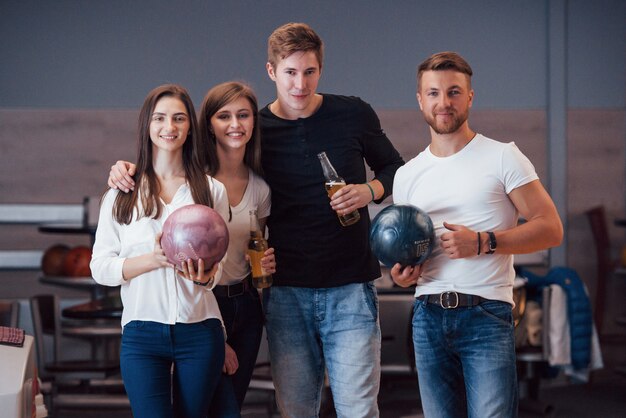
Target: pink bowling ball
[[194, 231]]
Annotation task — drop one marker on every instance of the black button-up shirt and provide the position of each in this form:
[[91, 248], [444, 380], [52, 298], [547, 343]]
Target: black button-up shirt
[[312, 248]]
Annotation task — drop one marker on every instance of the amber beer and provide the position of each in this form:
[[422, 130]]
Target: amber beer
[[333, 184], [349, 218], [257, 245]]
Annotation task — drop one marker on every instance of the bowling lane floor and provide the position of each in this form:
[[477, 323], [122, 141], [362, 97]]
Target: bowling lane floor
[[604, 397]]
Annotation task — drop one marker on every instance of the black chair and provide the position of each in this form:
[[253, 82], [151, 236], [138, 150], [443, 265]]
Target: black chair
[[606, 265], [67, 382], [9, 313], [46, 321]]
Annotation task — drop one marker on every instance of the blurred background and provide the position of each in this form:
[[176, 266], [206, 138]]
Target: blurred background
[[549, 75]]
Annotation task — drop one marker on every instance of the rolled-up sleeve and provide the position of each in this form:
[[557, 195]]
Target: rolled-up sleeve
[[380, 154]]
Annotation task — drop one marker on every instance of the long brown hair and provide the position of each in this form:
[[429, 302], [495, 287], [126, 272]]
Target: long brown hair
[[195, 162], [218, 97]]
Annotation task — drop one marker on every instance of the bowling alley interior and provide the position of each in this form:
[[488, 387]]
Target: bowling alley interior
[[547, 75]]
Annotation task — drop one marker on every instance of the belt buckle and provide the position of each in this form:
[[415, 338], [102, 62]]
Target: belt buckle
[[447, 304], [241, 289]]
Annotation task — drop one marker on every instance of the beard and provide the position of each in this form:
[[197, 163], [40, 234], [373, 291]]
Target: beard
[[444, 128]]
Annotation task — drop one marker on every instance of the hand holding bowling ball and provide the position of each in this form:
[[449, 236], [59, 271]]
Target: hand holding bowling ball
[[202, 275], [194, 232], [402, 234]]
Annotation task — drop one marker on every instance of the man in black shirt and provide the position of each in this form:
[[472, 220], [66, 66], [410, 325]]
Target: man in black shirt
[[322, 310]]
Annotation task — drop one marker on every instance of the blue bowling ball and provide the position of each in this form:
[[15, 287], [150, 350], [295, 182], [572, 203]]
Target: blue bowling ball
[[402, 234]]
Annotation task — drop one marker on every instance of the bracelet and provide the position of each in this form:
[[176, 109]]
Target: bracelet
[[478, 252], [208, 282], [371, 191], [200, 283], [492, 243]]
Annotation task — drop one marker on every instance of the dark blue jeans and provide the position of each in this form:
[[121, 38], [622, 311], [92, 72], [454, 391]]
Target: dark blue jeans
[[243, 319], [465, 360], [148, 352]]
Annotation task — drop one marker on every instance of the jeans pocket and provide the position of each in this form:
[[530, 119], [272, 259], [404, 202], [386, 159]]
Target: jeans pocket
[[371, 298], [500, 311], [253, 298], [135, 324], [211, 323], [417, 306], [135, 333]]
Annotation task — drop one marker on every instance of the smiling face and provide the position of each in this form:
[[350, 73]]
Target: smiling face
[[445, 98], [296, 78], [233, 124], [169, 124]]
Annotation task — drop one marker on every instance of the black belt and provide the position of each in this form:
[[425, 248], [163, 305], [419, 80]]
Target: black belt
[[451, 300], [233, 290]]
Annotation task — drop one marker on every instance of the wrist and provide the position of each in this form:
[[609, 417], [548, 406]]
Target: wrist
[[483, 243], [369, 186]]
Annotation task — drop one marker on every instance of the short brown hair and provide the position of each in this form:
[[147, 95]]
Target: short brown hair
[[293, 37], [441, 61]]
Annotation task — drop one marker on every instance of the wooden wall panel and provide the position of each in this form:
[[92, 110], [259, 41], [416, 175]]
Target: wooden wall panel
[[596, 176], [60, 156]]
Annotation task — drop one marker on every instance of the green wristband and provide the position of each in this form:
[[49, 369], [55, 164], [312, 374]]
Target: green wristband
[[371, 190]]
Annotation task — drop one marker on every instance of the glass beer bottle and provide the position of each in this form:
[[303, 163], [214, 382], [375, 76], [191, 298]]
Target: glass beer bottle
[[257, 245], [334, 183]]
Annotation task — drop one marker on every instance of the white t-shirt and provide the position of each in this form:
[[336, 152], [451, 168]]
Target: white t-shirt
[[257, 196], [160, 295], [468, 188]]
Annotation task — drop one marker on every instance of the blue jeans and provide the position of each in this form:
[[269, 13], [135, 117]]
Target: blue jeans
[[465, 360], [333, 329], [148, 351], [243, 319]]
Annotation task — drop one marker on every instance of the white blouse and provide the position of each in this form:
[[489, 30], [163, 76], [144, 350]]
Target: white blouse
[[160, 295]]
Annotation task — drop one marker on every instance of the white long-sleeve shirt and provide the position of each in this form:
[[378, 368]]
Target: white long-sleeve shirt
[[159, 295]]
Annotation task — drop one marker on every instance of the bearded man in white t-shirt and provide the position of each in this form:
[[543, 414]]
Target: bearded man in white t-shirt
[[474, 189]]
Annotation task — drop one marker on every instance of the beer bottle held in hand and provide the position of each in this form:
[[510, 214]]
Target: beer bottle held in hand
[[334, 183], [256, 248]]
